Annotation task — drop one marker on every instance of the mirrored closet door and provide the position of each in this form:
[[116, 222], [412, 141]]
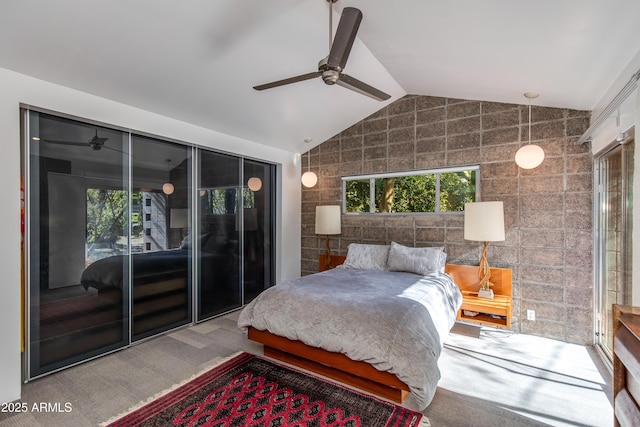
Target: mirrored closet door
[[219, 226], [129, 236], [78, 208], [161, 245], [258, 215]]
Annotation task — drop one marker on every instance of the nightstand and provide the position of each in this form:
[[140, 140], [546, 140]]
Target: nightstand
[[492, 312], [336, 260]]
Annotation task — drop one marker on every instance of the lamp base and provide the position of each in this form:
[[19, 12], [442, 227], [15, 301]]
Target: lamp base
[[485, 293]]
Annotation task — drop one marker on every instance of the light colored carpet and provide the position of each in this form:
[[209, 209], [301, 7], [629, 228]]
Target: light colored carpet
[[488, 378]]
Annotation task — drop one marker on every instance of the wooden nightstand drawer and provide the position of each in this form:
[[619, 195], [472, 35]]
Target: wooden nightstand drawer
[[500, 305]]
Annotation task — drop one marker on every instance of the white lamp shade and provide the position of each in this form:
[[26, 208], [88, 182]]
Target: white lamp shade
[[529, 156], [328, 219], [309, 179], [254, 183], [484, 221], [167, 188]]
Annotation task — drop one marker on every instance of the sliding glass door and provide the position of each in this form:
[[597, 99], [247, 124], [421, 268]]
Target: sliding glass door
[[614, 226], [77, 215]]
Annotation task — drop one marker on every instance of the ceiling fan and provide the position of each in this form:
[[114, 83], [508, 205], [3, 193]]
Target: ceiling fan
[[330, 68], [96, 143]]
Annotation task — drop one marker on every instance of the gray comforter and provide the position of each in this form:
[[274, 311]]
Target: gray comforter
[[392, 320]]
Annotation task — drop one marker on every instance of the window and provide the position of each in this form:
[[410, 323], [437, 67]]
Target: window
[[437, 190]]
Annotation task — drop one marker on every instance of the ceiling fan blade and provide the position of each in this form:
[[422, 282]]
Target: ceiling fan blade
[[345, 36], [361, 87], [114, 149], [290, 80], [53, 141]]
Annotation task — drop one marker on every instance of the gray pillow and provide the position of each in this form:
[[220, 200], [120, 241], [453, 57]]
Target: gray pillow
[[415, 260], [366, 257]]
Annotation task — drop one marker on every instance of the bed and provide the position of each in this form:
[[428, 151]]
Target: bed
[[160, 282], [377, 322], [158, 266]]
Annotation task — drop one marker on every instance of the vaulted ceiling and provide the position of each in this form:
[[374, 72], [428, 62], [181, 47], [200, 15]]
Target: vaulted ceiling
[[197, 61]]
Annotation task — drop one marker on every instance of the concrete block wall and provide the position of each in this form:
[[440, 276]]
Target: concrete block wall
[[548, 210]]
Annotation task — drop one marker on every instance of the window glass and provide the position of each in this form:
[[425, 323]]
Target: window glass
[[442, 190], [456, 189], [357, 195]]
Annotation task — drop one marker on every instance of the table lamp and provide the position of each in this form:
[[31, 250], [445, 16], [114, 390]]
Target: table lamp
[[484, 222], [328, 223]]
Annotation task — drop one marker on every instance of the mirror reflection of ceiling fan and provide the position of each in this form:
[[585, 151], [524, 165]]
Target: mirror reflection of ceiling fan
[[330, 68], [96, 143]]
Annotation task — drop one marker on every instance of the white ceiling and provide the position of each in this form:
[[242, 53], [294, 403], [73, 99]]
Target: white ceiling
[[197, 60]]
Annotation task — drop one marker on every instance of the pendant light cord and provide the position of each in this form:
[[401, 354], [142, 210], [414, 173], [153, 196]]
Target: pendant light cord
[[529, 121]]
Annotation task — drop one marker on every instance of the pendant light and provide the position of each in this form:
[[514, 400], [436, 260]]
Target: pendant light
[[309, 179], [529, 156], [254, 183], [167, 187]]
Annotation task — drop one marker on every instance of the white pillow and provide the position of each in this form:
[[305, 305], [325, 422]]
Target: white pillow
[[415, 260], [366, 257]]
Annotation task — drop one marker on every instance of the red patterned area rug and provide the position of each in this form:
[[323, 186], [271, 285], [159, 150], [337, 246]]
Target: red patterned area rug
[[248, 390]]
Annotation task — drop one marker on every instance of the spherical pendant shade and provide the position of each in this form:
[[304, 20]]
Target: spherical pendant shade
[[254, 183], [309, 179], [167, 188], [529, 156]]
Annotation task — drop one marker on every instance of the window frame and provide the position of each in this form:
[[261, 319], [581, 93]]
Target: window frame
[[373, 177]]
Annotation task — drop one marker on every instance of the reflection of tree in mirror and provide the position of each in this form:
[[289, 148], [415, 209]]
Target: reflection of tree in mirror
[[107, 215], [249, 198], [224, 200]]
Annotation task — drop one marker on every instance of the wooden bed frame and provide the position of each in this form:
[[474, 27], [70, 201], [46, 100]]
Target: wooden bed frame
[[338, 366]]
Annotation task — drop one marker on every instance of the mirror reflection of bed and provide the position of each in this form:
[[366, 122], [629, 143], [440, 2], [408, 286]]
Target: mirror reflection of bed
[[160, 292]]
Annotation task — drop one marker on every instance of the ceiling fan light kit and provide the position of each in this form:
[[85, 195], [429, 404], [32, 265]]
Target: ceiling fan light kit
[[330, 68], [529, 156]]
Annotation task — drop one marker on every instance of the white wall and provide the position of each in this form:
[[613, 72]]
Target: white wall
[[18, 88]]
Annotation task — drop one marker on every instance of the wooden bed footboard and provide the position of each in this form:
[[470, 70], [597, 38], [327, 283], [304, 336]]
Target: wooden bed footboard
[[333, 365]]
